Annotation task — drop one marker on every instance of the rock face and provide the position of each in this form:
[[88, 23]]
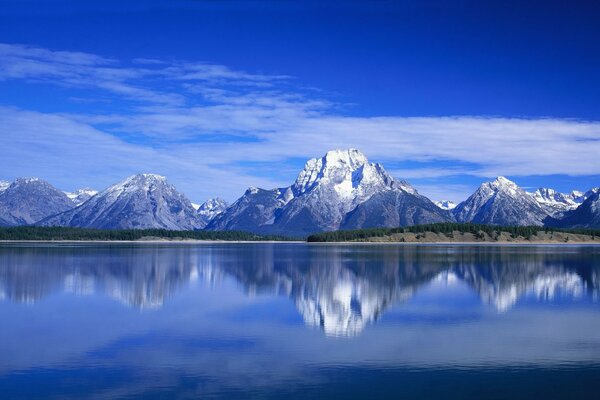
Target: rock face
[[211, 208], [395, 208], [587, 215], [139, 202], [80, 196], [255, 211], [28, 200], [500, 202], [556, 203], [445, 204], [326, 192]]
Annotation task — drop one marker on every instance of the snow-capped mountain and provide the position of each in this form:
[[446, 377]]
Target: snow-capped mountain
[[587, 215], [556, 203], [27, 200], [254, 211], [80, 196], [211, 208], [323, 196], [4, 185], [500, 202], [445, 204], [140, 201]]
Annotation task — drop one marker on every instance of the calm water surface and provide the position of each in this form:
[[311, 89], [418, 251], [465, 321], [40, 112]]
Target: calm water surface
[[299, 321]]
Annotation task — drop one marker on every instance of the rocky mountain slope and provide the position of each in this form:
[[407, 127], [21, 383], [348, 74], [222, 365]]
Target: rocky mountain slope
[[211, 208], [556, 203], [500, 202], [587, 215], [140, 201], [325, 194], [28, 200]]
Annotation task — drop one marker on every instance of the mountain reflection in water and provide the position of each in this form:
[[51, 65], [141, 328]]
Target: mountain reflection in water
[[338, 288]]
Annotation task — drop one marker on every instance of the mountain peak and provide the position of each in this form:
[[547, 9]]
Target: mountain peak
[[4, 185], [500, 202], [25, 181], [345, 170], [147, 177], [139, 181], [445, 204], [503, 182], [351, 156], [28, 200], [138, 202], [82, 195], [328, 194], [211, 208]]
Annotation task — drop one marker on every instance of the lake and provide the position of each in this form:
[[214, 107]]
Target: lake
[[294, 320]]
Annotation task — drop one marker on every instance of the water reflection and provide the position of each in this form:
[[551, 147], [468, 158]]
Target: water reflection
[[340, 289]]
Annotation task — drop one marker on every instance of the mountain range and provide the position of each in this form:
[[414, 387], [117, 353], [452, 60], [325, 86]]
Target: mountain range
[[341, 190]]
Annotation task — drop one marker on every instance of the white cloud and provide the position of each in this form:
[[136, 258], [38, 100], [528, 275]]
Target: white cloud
[[71, 154], [200, 123]]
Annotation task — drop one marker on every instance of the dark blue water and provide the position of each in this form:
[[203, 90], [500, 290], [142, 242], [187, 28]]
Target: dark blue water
[[299, 321]]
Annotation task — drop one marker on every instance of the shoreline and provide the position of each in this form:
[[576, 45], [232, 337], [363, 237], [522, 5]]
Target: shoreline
[[538, 243], [378, 243], [190, 241]]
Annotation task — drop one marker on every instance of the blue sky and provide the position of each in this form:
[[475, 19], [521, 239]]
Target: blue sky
[[222, 95]]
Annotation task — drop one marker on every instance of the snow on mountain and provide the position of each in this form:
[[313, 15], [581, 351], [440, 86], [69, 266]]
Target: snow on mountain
[[4, 185], [587, 215], [140, 201], [322, 197], [500, 202], [28, 200], [80, 196], [211, 208], [556, 203], [330, 187], [445, 204]]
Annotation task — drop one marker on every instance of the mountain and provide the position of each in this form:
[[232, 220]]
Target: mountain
[[80, 196], [556, 203], [445, 204], [140, 201], [393, 207], [587, 215], [338, 190], [28, 200], [255, 211], [211, 208], [500, 202]]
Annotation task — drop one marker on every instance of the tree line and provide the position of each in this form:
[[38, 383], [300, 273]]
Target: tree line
[[63, 233], [446, 228]]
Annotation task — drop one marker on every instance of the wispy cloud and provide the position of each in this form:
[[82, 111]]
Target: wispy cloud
[[200, 123], [140, 82]]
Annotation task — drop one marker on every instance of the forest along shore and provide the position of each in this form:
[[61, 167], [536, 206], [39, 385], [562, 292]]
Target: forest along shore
[[461, 233], [461, 237]]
